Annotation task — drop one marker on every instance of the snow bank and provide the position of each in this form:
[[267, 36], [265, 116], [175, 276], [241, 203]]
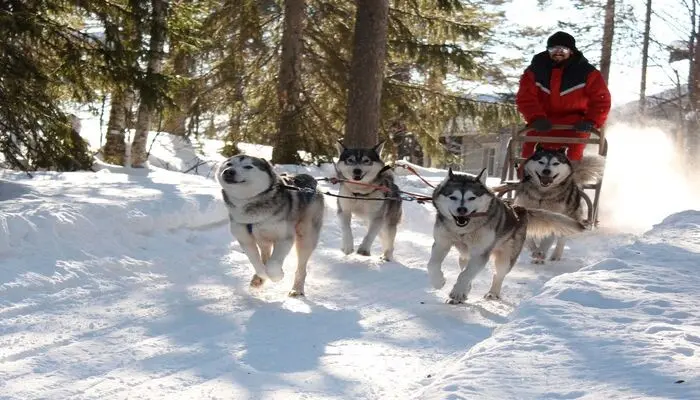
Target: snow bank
[[625, 327], [78, 207]]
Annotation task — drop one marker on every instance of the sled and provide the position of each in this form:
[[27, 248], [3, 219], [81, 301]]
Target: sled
[[509, 172]]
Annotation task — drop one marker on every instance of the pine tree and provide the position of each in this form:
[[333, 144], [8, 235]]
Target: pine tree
[[289, 85], [45, 58], [152, 86], [367, 73]]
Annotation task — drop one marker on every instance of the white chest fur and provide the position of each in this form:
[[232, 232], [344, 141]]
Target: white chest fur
[[361, 205]]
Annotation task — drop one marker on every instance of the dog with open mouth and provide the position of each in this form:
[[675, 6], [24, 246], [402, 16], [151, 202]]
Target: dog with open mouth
[[482, 226], [552, 182]]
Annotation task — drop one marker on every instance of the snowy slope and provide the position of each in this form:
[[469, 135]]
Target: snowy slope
[[627, 327], [126, 284]]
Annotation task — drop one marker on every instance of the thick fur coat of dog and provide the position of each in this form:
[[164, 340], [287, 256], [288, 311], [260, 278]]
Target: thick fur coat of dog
[[269, 214], [381, 209], [552, 182], [481, 226]]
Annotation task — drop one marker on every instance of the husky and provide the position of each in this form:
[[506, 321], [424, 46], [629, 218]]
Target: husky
[[268, 214], [552, 182], [381, 208], [482, 226]]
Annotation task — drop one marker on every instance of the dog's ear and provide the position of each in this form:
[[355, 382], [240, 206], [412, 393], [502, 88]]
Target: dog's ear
[[340, 146], [563, 149], [450, 174], [481, 178], [538, 147], [378, 148], [269, 167]]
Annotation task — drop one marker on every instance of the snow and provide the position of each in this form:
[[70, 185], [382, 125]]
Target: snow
[[625, 327], [126, 284]]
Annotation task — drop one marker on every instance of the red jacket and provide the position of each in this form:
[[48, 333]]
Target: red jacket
[[564, 95]]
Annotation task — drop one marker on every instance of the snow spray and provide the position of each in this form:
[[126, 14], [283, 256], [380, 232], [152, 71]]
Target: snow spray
[[645, 179]]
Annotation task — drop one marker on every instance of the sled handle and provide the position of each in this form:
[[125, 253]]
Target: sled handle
[[601, 141]]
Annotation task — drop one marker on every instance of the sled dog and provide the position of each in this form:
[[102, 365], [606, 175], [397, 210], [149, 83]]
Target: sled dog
[[268, 214], [552, 182], [482, 226], [381, 209]]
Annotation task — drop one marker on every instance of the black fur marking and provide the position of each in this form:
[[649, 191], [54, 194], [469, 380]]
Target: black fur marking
[[356, 156], [464, 183], [305, 184], [226, 199]]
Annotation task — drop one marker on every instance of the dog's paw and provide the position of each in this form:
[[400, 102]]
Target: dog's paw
[[437, 279], [492, 296], [458, 296], [256, 282], [387, 256], [538, 257], [295, 293], [363, 252], [346, 249], [554, 258], [274, 272]]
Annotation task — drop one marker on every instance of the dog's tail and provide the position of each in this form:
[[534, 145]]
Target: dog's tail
[[543, 223], [588, 170], [304, 181]]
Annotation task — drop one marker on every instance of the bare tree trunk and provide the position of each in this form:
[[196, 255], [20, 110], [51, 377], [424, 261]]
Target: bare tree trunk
[[608, 35], [692, 138], [155, 66], [288, 139], [176, 118], [691, 51], [367, 73], [645, 59], [115, 146], [680, 132]]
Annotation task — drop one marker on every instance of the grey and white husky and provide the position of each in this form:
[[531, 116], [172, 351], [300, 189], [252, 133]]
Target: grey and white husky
[[380, 208], [480, 225], [268, 214], [552, 182]]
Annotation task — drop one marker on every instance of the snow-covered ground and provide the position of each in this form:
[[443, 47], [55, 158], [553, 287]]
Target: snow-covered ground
[[126, 285], [626, 327]]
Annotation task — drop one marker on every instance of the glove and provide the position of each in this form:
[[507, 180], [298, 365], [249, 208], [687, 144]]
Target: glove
[[541, 125], [584, 126]]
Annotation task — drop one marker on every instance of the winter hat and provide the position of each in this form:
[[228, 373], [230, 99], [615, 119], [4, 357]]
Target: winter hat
[[562, 39]]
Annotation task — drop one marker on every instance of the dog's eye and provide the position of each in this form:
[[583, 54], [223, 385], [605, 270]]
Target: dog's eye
[[555, 164], [453, 198], [248, 167], [350, 160], [541, 162], [366, 161], [472, 198], [228, 164]]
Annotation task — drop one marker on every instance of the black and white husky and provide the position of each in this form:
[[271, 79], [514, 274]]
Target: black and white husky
[[552, 182], [361, 171], [481, 226], [268, 214]]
